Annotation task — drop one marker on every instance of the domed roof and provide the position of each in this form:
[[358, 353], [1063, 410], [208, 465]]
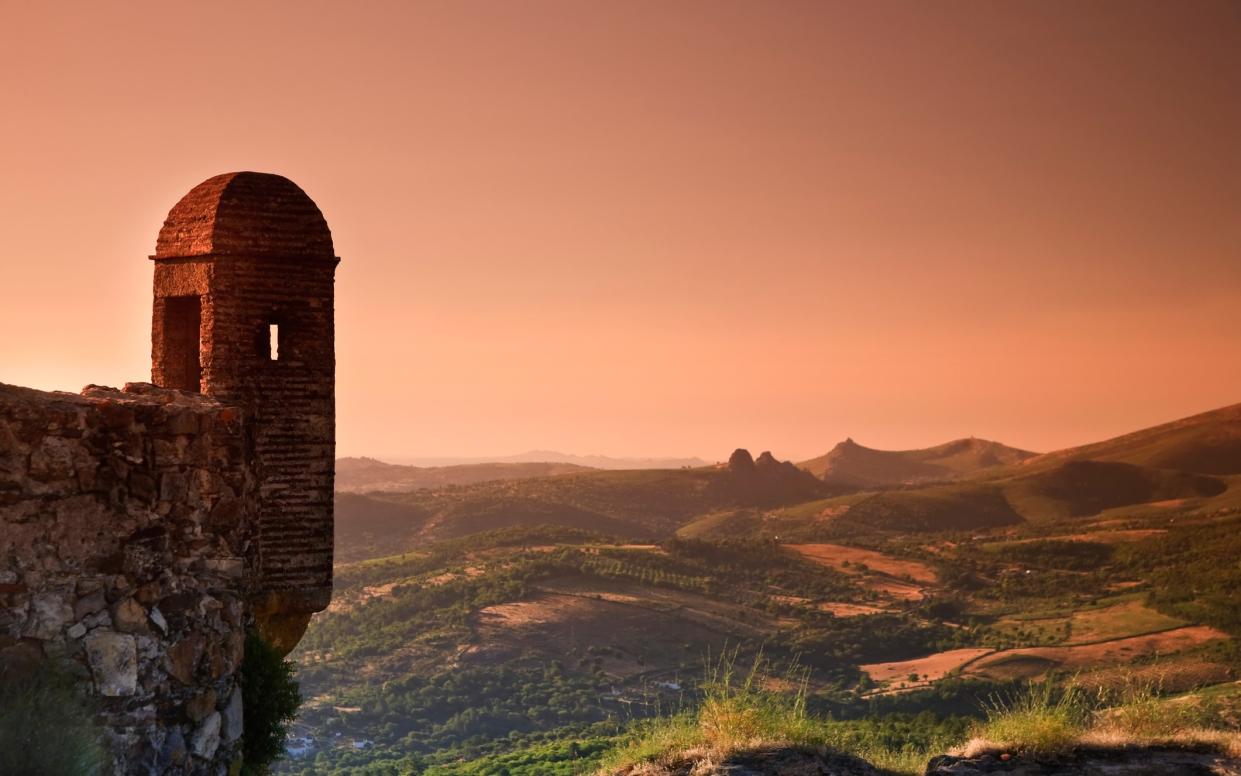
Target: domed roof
[[245, 214]]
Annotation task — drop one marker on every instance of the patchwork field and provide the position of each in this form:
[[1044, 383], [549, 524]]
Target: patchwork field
[[1033, 662]]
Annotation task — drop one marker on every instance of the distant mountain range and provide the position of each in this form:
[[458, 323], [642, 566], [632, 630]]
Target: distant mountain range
[[1192, 466], [360, 475], [552, 456]]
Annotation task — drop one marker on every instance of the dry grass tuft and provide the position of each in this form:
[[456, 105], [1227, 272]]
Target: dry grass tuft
[[1046, 720]]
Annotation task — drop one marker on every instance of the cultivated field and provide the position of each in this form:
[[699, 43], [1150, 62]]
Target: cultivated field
[[849, 559], [924, 670], [1035, 661]]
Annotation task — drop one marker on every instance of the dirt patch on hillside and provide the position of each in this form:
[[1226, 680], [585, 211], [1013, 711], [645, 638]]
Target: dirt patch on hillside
[[542, 610], [627, 630], [927, 669], [448, 576], [848, 560], [841, 609], [895, 588]]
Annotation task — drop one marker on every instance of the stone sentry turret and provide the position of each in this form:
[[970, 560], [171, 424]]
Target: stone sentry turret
[[243, 313]]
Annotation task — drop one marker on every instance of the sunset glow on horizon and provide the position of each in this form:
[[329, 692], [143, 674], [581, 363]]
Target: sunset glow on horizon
[[648, 228]]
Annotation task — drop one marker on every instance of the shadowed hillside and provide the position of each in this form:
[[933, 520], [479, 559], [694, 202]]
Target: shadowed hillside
[[852, 465], [1207, 443], [1078, 488], [1071, 489]]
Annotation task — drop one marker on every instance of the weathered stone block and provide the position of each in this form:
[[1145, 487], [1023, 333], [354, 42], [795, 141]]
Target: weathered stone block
[[113, 661], [207, 737], [173, 752], [184, 657], [89, 604], [201, 705], [53, 459], [129, 616], [49, 613], [173, 487], [233, 717], [142, 486]]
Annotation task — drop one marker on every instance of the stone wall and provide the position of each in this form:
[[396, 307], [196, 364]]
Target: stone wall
[[126, 522]]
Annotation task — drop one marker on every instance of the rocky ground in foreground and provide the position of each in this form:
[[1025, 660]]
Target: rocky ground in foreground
[[1091, 762], [765, 762], [1083, 762]]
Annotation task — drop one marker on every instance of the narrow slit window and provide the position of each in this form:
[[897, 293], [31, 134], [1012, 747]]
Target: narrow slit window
[[273, 337]]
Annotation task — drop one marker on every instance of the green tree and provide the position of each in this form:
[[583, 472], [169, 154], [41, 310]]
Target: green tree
[[271, 698]]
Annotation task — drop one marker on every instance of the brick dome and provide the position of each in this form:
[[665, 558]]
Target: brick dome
[[245, 214]]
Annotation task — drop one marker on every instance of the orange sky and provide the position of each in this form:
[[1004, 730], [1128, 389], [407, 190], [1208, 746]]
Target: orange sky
[[662, 227]]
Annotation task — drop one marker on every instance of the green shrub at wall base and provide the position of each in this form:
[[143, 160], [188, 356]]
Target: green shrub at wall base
[[271, 698], [47, 724]]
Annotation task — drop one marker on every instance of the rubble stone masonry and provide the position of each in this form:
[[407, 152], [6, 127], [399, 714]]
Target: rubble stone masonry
[[126, 518]]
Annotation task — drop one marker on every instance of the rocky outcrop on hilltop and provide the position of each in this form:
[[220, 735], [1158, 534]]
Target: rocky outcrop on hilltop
[[768, 480], [1090, 762], [740, 461]]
